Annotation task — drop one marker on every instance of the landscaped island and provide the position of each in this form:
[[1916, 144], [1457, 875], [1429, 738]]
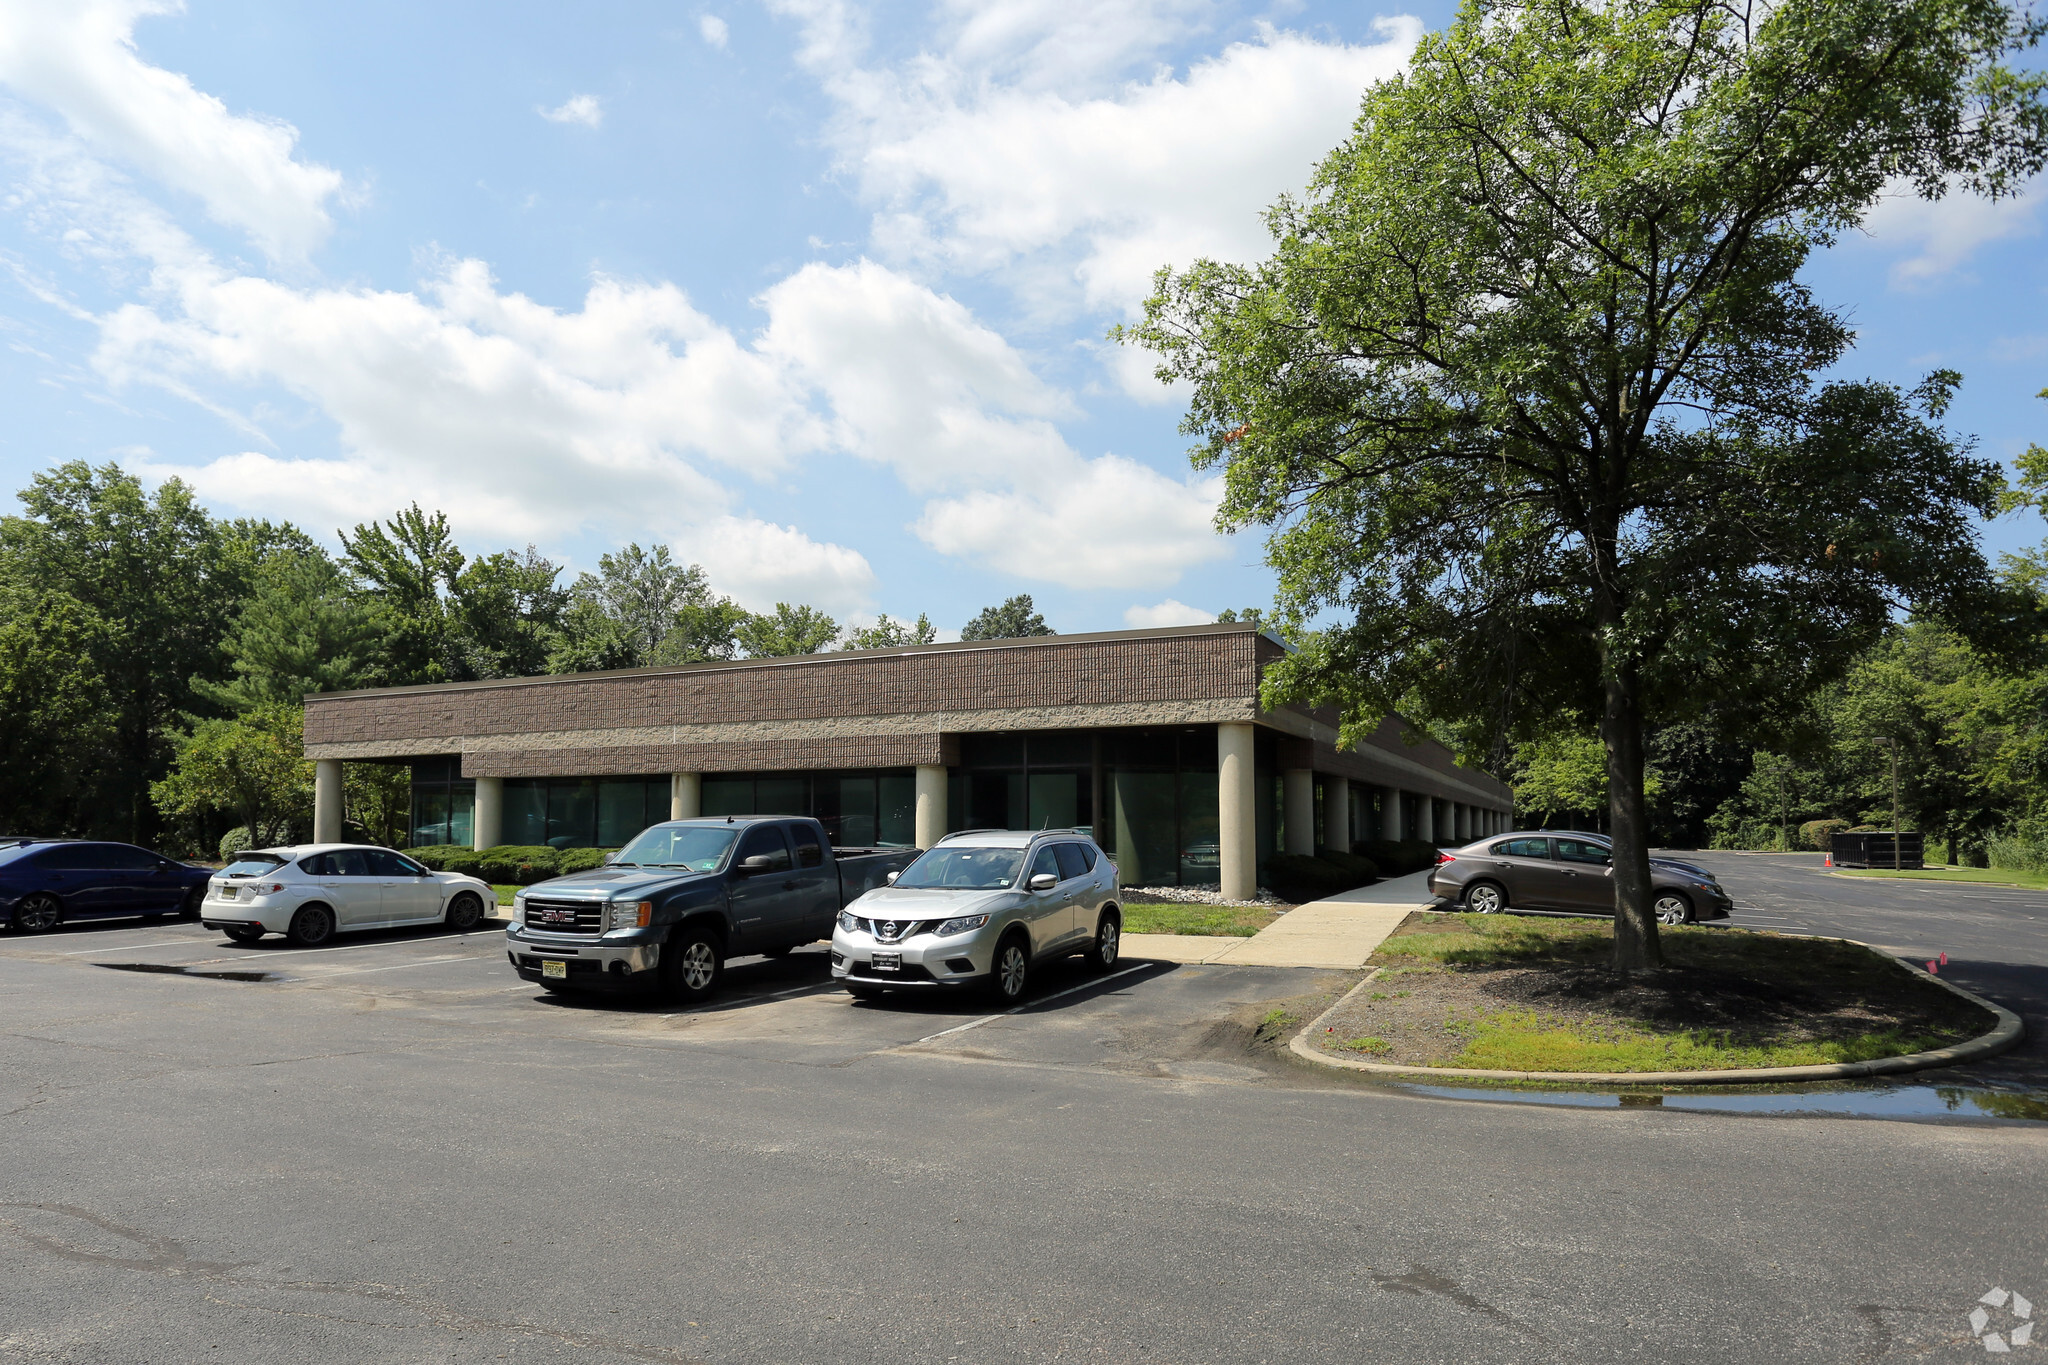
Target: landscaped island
[[1510, 993]]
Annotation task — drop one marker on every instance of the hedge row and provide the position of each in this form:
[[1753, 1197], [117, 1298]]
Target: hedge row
[[510, 864]]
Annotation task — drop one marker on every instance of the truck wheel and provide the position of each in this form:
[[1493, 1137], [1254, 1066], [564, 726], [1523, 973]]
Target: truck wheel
[[1010, 975], [691, 962]]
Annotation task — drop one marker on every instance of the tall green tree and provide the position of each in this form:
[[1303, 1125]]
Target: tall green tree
[[786, 631], [54, 711], [888, 634], [302, 629], [1528, 389], [642, 607], [163, 582], [1014, 619], [252, 767]]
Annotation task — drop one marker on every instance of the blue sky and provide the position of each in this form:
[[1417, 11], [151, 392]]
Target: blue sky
[[814, 291]]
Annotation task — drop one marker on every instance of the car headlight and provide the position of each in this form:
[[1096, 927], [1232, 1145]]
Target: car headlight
[[630, 914], [964, 924], [852, 923]]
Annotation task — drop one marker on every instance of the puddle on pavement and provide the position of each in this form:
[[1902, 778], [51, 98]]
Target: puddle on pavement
[[212, 973], [1888, 1102]]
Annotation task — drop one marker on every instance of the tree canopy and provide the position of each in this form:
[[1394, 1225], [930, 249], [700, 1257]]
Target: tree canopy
[[1528, 390], [1014, 619]]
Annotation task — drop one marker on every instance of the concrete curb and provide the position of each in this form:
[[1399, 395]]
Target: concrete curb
[[2005, 1035]]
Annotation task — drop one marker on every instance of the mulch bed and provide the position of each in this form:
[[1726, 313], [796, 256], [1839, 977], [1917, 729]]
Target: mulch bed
[[1754, 989]]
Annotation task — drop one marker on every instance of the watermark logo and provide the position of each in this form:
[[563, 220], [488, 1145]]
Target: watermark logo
[[2002, 1319]]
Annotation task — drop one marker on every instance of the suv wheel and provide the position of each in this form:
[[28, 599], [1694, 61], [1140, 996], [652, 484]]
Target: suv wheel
[[312, 926], [691, 962], [1671, 908], [1010, 976], [1109, 938], [1485, 898]]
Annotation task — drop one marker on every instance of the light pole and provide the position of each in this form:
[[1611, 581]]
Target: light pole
[[1887, 742]]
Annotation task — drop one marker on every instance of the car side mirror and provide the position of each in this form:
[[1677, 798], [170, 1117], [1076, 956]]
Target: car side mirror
[[756, 865], [1043, 881], [610, 858], [890, 878]]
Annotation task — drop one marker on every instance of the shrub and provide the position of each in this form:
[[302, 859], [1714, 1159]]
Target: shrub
[[581, 859], [515, 864], [266, 836], [1397, 858], [1819, 834], [2017, 854], [1364, 869], [437, 856]]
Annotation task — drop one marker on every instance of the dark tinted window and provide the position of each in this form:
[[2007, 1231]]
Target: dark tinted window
[[343, 862], [74, 858], [1073, 861], [384, 863], [808, 851], [127, 858], [1582, 851], [1523, 848], [766, 841], [1046, 862]]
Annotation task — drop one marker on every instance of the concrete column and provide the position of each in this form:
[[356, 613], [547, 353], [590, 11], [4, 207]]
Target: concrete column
[[685, 796], [1298, 815], [1337, 813], [931, 804], [1392, 826], [1425, 820], [1466, 834], [1237, 813], [487, 828], [326, 802]]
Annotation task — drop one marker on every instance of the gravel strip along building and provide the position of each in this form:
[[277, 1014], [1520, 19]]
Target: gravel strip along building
[[1154, 739]]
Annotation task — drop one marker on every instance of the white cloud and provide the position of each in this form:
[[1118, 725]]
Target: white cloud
[[1943, 234], [1167, 613], [79, 59], [587, 110], [713, 30], [759, 564], [986, 157], [1105, 523]]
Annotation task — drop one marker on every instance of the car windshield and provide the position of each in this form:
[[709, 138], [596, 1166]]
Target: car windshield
[[700, 848], [970, 869], [9, 852], [251, 864]]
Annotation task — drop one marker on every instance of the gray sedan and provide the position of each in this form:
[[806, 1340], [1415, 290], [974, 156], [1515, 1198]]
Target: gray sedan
[[1569, 873]]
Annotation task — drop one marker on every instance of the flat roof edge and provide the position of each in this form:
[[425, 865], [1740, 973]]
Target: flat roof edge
[[842, 656]]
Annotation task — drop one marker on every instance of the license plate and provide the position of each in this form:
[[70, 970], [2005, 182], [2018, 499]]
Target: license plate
[[886, 962], [228, 893], [557, 970]]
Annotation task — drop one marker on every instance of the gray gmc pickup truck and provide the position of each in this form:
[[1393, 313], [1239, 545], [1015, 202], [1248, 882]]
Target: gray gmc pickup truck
[[667, 911]]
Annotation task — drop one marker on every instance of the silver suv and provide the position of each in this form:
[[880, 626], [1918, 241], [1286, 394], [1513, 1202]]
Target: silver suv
[[982, 907]]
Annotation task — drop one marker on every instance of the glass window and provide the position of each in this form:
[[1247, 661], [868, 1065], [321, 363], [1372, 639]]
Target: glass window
[[342, 862], [128, 858], [1523, 848], [1073, 862], [429, 817], [782, 796], [384, 863], [700, 848], [572, 814], [1582, 851], [1061, 748], [526, 813], [728, 796], [1046, 864], [853, 823], [1004, 749], [1201, 856], [252, 865], [73, 858], [1141, 827], [972, 869], [621, 812], [462, 816], [993, 800], [766, 841], [808, 851], [896, 810], [1055, 801]]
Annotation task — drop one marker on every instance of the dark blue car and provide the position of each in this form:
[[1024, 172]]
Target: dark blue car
[[47, 882]]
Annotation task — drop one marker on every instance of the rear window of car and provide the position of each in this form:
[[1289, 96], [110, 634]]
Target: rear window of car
[[251, 864], [1074, 860]]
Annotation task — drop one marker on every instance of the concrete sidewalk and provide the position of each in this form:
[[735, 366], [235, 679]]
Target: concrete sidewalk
[[1342, 931]]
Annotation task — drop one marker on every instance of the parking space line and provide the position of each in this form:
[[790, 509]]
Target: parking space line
[[423, 962], [118, 947], [1032, 1004]]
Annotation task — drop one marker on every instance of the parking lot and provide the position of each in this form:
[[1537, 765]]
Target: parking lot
[[391, 1149]]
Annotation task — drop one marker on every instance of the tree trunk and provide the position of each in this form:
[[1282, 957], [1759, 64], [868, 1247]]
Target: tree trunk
[[1621, 732]]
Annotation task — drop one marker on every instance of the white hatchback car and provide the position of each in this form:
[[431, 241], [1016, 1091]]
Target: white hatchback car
[[312, 892]]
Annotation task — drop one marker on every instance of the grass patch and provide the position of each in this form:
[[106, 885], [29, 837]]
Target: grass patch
[[1174, 917], [505, 893], [1983, 876], [1520, 993]]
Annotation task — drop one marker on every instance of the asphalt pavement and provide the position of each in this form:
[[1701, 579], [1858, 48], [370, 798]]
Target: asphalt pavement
[[392, 1150]]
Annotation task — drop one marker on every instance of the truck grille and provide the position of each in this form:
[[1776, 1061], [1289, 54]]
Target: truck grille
[[565, 917]]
